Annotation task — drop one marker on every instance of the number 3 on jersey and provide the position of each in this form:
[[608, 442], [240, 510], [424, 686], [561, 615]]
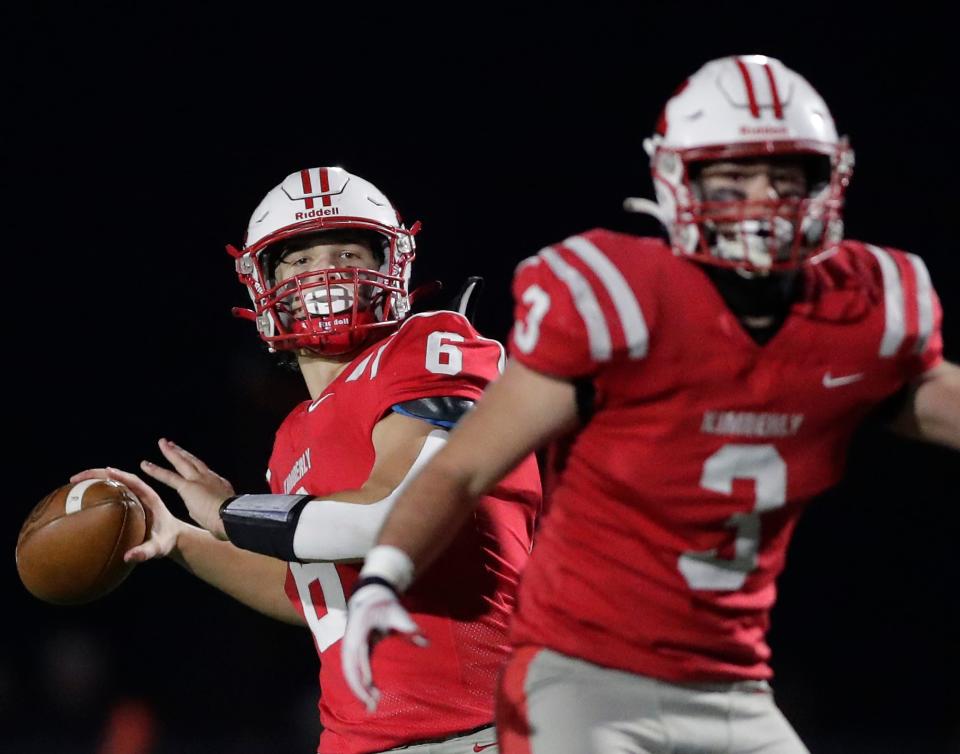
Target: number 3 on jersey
[[527, 332], [764, 465]]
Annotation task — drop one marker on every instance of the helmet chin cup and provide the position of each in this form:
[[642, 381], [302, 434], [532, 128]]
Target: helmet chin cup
[[333, 335]]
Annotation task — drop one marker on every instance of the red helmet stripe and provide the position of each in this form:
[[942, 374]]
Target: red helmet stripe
[[777, 105], [307, 188], [325, 186], [754, 107]]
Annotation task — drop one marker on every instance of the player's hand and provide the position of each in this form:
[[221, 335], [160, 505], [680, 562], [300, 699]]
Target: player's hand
[[203, 491], [162, 526], [373, 611]]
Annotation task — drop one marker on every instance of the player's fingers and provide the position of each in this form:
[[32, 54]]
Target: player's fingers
[[369, 693], [355, 661], [139, 488], [352, 674], [142, 553], [82, 476], [197, 463], [162, 475], [419, 639], [401, 622], [186, 468]]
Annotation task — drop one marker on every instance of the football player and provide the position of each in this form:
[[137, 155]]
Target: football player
[[704, 389], [327, 263]]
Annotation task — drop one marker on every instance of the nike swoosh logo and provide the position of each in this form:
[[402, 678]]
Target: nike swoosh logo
[[319, 400], [479, 747], [830, 381]]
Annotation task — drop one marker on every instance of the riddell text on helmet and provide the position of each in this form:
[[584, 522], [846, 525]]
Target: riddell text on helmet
[[764, 130], [317, 213]]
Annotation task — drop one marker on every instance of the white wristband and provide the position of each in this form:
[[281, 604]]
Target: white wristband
[[389, 563]]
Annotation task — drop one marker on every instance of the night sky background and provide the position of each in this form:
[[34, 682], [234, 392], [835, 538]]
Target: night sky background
[[138, 139]]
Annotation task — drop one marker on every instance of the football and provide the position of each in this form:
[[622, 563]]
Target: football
[[70, 549]]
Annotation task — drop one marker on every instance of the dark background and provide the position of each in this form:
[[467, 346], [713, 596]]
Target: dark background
[[139, 139]]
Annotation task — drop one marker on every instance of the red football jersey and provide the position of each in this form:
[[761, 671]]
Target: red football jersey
[[670, 512], [463, 602]]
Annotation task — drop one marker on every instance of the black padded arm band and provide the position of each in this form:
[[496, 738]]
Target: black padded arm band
[[263, 523]]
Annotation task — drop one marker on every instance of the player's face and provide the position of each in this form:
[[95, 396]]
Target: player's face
[[319, 296], [753, 180], [307, 256], [752, 207]]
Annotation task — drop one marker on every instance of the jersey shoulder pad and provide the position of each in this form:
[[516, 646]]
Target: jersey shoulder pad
[[904, 292], [641, 250], [582, 302], [443, 320], [429, 335], [431, 354]]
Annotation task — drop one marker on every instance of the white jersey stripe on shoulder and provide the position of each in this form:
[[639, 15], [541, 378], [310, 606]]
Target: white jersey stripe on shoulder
[[628, 308], [896, 327], [586, 303], [375, 367], [356, 373], [924, 302]]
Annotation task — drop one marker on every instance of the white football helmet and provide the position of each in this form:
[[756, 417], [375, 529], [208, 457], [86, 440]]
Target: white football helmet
[[748, 107], [330, 311]]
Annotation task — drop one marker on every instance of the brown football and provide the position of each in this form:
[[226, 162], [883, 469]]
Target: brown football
[[70, 549]]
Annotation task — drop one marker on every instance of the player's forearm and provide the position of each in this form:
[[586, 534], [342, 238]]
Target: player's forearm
[[252, 579], [933, 410], [938, 409], [477, 456], [427, 517]]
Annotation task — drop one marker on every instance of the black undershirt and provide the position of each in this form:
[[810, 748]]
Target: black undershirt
[[770, 296]]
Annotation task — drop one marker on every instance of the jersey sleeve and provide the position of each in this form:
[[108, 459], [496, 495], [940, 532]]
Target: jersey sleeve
[[927, 347], [912, 314], [575, 309], [435, 354]]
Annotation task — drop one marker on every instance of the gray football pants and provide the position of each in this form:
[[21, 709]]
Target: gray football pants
[[554, 704], [482, 740]]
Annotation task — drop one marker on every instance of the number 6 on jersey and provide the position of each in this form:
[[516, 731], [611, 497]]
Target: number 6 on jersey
[[453, 364]]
